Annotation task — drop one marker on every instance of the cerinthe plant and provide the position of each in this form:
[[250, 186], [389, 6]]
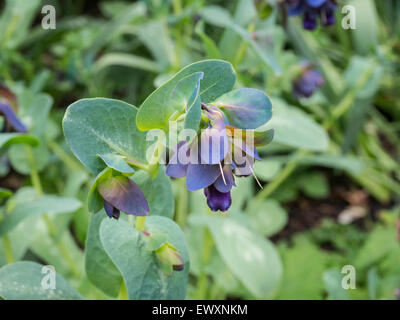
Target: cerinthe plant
[[217, 140]]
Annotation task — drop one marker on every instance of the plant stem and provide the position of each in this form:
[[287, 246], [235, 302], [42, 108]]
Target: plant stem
[[202, 282], [282, 176], [63, 156], [140, 223], [182, 204], [50, 226], [123, 293], [8, 249]]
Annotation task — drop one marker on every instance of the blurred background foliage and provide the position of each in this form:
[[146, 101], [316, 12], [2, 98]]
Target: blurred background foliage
[[331, 177]]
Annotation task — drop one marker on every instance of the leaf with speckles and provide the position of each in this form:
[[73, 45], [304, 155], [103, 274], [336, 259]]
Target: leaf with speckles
[[138, 264]]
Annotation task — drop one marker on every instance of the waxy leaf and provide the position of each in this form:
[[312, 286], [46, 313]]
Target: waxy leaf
[[245, 108], [155, 111], [100, 270], [45, 204], [117, 162], [8, 139], [139, 266], [26, 280], [296, 128], [158, 192], [103, 126], [252, 258]]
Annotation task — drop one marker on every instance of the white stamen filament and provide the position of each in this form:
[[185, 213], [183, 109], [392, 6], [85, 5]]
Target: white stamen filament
[[222, 172]]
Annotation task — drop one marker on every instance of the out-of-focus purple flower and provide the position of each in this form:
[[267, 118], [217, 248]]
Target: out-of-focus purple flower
[[11, 118], [120, 193], [309, 81], [312, 10]]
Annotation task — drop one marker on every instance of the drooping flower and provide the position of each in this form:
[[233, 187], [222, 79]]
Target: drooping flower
[[120, 193], [312, 10], [309, 81], [225, 148]]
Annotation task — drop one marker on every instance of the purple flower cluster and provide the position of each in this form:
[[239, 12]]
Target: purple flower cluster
[[312, 10], [215, 157]]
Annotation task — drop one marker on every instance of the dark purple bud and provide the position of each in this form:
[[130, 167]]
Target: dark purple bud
[[217, 200], [307, 83], [310, 20], [11, 117], [111, 211]]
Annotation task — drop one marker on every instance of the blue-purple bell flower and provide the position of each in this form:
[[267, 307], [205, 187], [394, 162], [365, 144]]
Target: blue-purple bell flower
[[217, 200], [309, 81], [211, 166], [312, 10]]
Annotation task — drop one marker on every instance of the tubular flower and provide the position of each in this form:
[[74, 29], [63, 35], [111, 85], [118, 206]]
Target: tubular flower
[[222, 151], [312, 10], [308, 82], [120, 193]]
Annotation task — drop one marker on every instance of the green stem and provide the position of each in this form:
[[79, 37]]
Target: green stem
[[8, 249], [282, 176], [50, 226], [202, 282], [182, 204], [123, 293], [140, 223], [243, 47], [63, 156]]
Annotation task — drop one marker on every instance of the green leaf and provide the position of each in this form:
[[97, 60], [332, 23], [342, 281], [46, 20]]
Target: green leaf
[[5, 193], [16, 20], [303, 265], [267, 217], [252, 258], [126, 60], [103, 126], [155, 111], [267, 169], [335, 161], [8, 139], [138, 265], [365, 35], [100, 270], [117, 162], [295, 128], [314, 184], [23, 281], [333, 282], [20, 161], [220, 17], [46, 204], [158, 192], [245, 108]]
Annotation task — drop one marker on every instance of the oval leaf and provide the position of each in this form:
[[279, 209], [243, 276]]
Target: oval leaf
[[103, 126]]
